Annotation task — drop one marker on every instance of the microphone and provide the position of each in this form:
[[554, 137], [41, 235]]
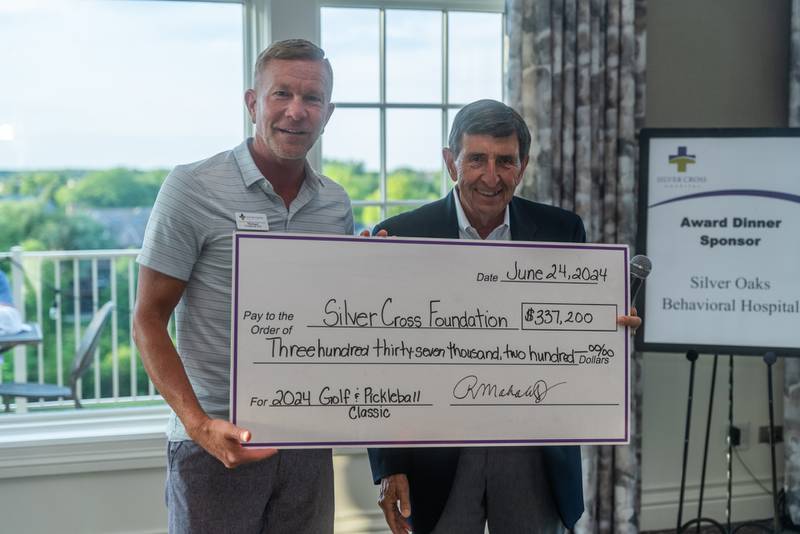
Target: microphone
[[640, 267]]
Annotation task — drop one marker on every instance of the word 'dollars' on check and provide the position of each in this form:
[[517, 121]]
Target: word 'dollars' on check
[[343, 341]]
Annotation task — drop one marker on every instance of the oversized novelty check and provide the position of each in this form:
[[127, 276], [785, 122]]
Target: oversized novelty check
[[348, 341]]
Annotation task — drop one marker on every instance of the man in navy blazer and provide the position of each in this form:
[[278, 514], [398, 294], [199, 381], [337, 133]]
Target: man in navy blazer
[[447, 490]]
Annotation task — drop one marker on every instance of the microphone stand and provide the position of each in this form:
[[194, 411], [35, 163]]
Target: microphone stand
[[691, 355], [769, 359], [729, 443], [705, 448]]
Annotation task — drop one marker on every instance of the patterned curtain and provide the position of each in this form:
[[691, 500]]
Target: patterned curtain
[[576, 73], [791, 375]]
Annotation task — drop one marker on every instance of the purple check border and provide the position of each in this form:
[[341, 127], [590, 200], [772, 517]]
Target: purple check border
[[237, 237]]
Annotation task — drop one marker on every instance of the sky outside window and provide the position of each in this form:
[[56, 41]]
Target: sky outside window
[[101, 84], [350, 38], [413, 56], [475, 56]]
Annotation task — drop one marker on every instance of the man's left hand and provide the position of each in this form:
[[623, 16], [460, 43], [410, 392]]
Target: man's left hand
[[366, 233], [395, 502], [632, 321]]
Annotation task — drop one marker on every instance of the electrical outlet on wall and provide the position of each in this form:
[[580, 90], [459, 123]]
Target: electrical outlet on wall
[[740, 436], [763, 434]]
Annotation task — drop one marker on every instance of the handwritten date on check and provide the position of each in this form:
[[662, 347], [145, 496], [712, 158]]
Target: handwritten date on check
[[340, 341]]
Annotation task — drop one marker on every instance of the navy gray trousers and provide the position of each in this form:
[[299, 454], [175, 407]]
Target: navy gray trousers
[[288, 493], [506, 487]]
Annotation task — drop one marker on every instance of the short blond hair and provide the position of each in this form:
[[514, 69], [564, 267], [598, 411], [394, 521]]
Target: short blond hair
[[294, 49]]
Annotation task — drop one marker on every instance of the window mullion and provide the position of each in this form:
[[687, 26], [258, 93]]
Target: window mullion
[[256, 32], [382, 96], [445, 92], [503, 58]]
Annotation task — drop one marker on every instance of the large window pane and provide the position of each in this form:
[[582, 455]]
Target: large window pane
[[413, 56], [475, 56], [350, 38], [413, 153], [412, 167], [98, 100], [351, 152]]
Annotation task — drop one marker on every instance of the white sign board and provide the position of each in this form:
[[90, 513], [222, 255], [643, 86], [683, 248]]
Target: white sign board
[[385, 342], [722, 215]]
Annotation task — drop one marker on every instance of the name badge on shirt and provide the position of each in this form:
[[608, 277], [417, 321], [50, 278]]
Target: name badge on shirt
[[251, 221]]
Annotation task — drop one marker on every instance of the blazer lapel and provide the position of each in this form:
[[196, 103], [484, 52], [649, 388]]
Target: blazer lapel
[[523, 227], [448, 226]]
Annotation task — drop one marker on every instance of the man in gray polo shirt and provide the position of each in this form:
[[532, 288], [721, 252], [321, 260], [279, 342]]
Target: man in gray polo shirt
[[214, 484]]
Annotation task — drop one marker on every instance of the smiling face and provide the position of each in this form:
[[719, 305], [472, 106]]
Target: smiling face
[[290, 107], [486, 171]]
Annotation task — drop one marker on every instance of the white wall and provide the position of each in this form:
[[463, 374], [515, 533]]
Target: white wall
[[103, 470], [129, 501]]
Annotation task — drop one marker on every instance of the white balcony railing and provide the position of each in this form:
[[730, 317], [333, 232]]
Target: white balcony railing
[[61, 290]]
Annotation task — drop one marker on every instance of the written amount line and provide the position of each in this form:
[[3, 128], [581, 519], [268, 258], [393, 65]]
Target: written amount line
[[417, 363]]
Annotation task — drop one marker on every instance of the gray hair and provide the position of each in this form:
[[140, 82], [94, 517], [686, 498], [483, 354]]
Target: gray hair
[[489, 117], [294, 49]]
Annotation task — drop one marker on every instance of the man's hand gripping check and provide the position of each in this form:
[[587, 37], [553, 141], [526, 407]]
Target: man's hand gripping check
[[158, 295], [632, 321], [224, 440]]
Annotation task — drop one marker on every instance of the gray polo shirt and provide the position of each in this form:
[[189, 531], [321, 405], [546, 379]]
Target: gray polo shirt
[[188, 237]]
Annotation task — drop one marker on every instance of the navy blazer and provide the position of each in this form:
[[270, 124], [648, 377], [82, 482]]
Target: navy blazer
[[430, 471]]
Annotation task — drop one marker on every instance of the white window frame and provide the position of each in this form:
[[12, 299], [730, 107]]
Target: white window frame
[[382, 105]]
